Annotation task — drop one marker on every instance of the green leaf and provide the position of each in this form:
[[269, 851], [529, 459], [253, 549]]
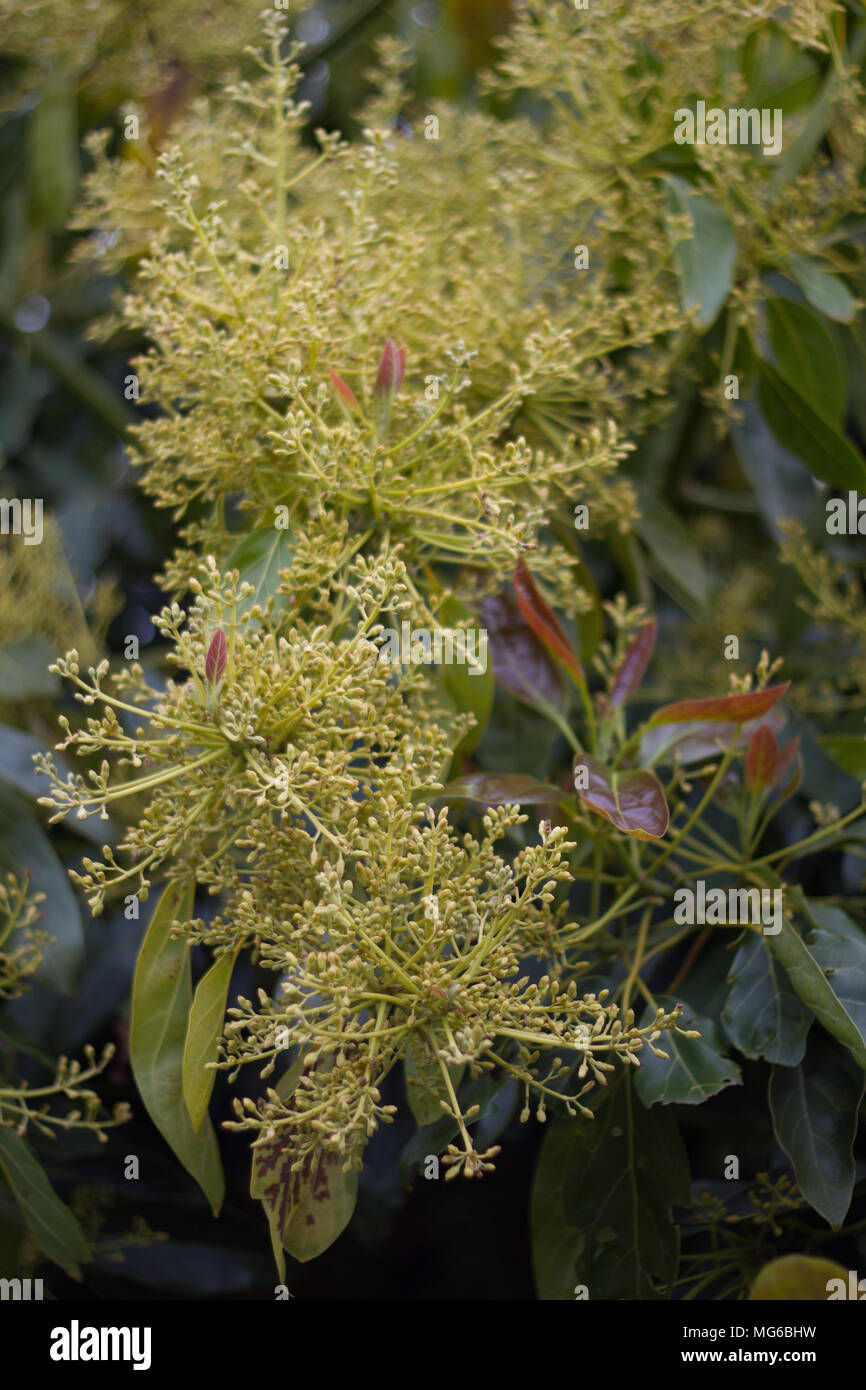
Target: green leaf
[[485, 1092], [24, 672], [631, 800], [847, 751], [425, 1085], [697, 1068], [814, 1108], [763, 1016], [24, 847], [826, 293], [672, 547], [161, 1002], [707, 261], [259, 558], [808, 358], [54, 1226], [839, 947], [796, 424], [602, 1198], [309, 1208], [470, 690], [796, 1278], [206, 1019], [811, 965], [53, 156]]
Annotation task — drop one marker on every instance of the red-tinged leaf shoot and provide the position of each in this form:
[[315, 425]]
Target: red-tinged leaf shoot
[[728, 709], [503, 789], [544, 623], [389, 379], [633, 801], [345, 393], [391, 371], [785, 761], [762, 757], [215, 661], [634, 664]]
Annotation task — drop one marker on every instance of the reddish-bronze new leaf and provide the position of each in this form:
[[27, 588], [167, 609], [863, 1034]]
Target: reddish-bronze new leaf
[[545, 624], [345, 392], [762, 758], [632, 800], [729, 709], [391, 371], [634, 663], [215, 661]]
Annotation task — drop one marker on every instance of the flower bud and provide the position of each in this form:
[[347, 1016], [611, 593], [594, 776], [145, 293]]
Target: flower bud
[[392, 369]]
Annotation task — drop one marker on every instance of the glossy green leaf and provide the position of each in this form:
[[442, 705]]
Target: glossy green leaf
[[206, 1019], [601, 1201], [823, 968], [672, 547], [53, 164], [847, 751], [25, 848], [707, 261], [55, 1228], [763, 1016], [801, 428], [807, 357], [697, 1068], [814, 1108], [161, 1002], [24, 672], [632, 800], [796, 1278], [259, 558], [425, 1085], [825, 292]]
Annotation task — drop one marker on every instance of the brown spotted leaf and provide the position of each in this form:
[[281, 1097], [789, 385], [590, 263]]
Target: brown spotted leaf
[[308, 1208]]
